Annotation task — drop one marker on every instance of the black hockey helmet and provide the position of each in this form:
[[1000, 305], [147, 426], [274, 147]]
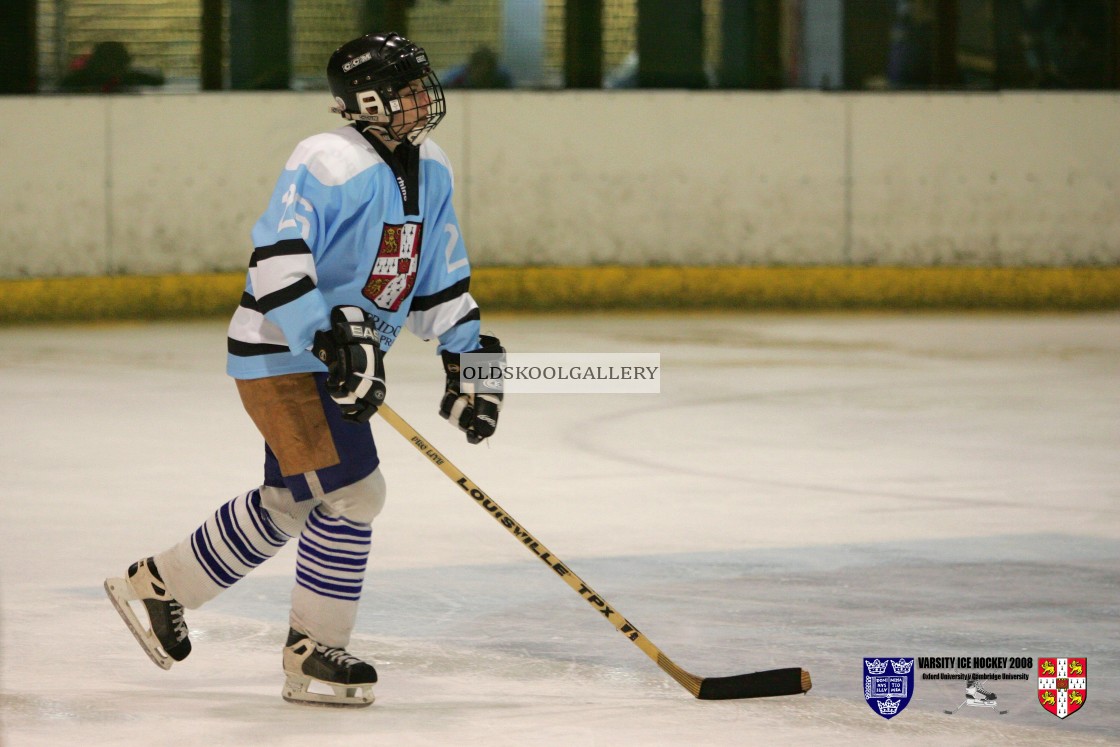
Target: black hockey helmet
[[366, 76]]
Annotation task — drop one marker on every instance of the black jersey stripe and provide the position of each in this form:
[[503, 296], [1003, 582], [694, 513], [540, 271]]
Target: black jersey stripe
[[276, 299], [279, 249], [248, 302], [423, 303], [248, 349], [474, 315]]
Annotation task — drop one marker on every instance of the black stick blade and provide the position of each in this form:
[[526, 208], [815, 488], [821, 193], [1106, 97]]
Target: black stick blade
[[773, 682]]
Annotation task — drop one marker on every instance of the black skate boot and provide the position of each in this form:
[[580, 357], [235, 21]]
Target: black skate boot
[[349, 679], [165, 638], [977, 695]]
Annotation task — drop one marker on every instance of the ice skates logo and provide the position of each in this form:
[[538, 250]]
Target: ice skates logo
[[977, 696], [394, 271], [1062, 686], [888, 694]]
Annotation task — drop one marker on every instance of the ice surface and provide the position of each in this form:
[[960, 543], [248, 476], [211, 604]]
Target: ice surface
[[806, 491]]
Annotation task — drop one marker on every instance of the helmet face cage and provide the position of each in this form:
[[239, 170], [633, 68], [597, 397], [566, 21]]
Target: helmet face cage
[[416, 113], [386, 80]]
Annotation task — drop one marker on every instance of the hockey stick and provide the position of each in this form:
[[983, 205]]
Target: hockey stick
[[789, 681]]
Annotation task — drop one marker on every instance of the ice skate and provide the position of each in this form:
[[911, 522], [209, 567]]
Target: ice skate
[[164, 639], [976, 695], [341, 679]]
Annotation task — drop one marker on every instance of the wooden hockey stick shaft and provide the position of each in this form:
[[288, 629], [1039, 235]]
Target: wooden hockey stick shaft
[[789, 681]]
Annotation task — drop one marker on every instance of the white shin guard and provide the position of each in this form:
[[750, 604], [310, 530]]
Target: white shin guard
[[241, 535], [248, 530], [330, 567]]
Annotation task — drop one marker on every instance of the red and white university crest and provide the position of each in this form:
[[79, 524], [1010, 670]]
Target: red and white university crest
[[1061, 685], [394, 271]]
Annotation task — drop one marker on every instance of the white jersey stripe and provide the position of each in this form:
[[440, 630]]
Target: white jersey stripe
[[435, 321], [251, 327], [276, 273], [334, 163]]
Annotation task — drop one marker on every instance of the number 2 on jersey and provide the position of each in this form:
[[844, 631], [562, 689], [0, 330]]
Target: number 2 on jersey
[[452, 242]]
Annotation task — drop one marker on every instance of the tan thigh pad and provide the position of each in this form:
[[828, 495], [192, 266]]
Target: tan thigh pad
[[289, 414]]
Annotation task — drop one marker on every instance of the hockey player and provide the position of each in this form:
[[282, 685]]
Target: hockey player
[[360, 239]]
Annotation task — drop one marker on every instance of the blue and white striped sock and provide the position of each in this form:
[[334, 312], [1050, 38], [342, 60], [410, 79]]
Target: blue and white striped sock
[[332, 556], [330, 569], [236, 539]]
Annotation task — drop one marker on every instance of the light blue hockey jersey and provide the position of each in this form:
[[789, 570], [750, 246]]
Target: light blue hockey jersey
[[336, 233]]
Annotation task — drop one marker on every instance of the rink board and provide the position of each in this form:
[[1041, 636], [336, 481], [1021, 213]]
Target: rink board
[[611, 288]]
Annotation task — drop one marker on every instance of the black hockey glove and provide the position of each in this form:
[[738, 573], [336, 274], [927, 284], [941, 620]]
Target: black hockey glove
[[351, 350], [473, 407]]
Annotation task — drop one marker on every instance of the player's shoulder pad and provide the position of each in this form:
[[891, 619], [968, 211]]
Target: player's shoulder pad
[[432, 152], [334, 157]]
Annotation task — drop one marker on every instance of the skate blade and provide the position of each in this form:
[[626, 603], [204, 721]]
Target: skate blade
[[980, 704], [298, 690], [120, 592]]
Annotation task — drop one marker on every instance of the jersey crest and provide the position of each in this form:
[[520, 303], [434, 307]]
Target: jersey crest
[[394, 271]]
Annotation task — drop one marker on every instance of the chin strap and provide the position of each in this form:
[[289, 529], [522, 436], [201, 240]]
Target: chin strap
[[352, 116], [374, 123], [378, 128], [370, 121]]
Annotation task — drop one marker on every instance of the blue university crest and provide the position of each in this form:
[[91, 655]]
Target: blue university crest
[[888, 684]]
